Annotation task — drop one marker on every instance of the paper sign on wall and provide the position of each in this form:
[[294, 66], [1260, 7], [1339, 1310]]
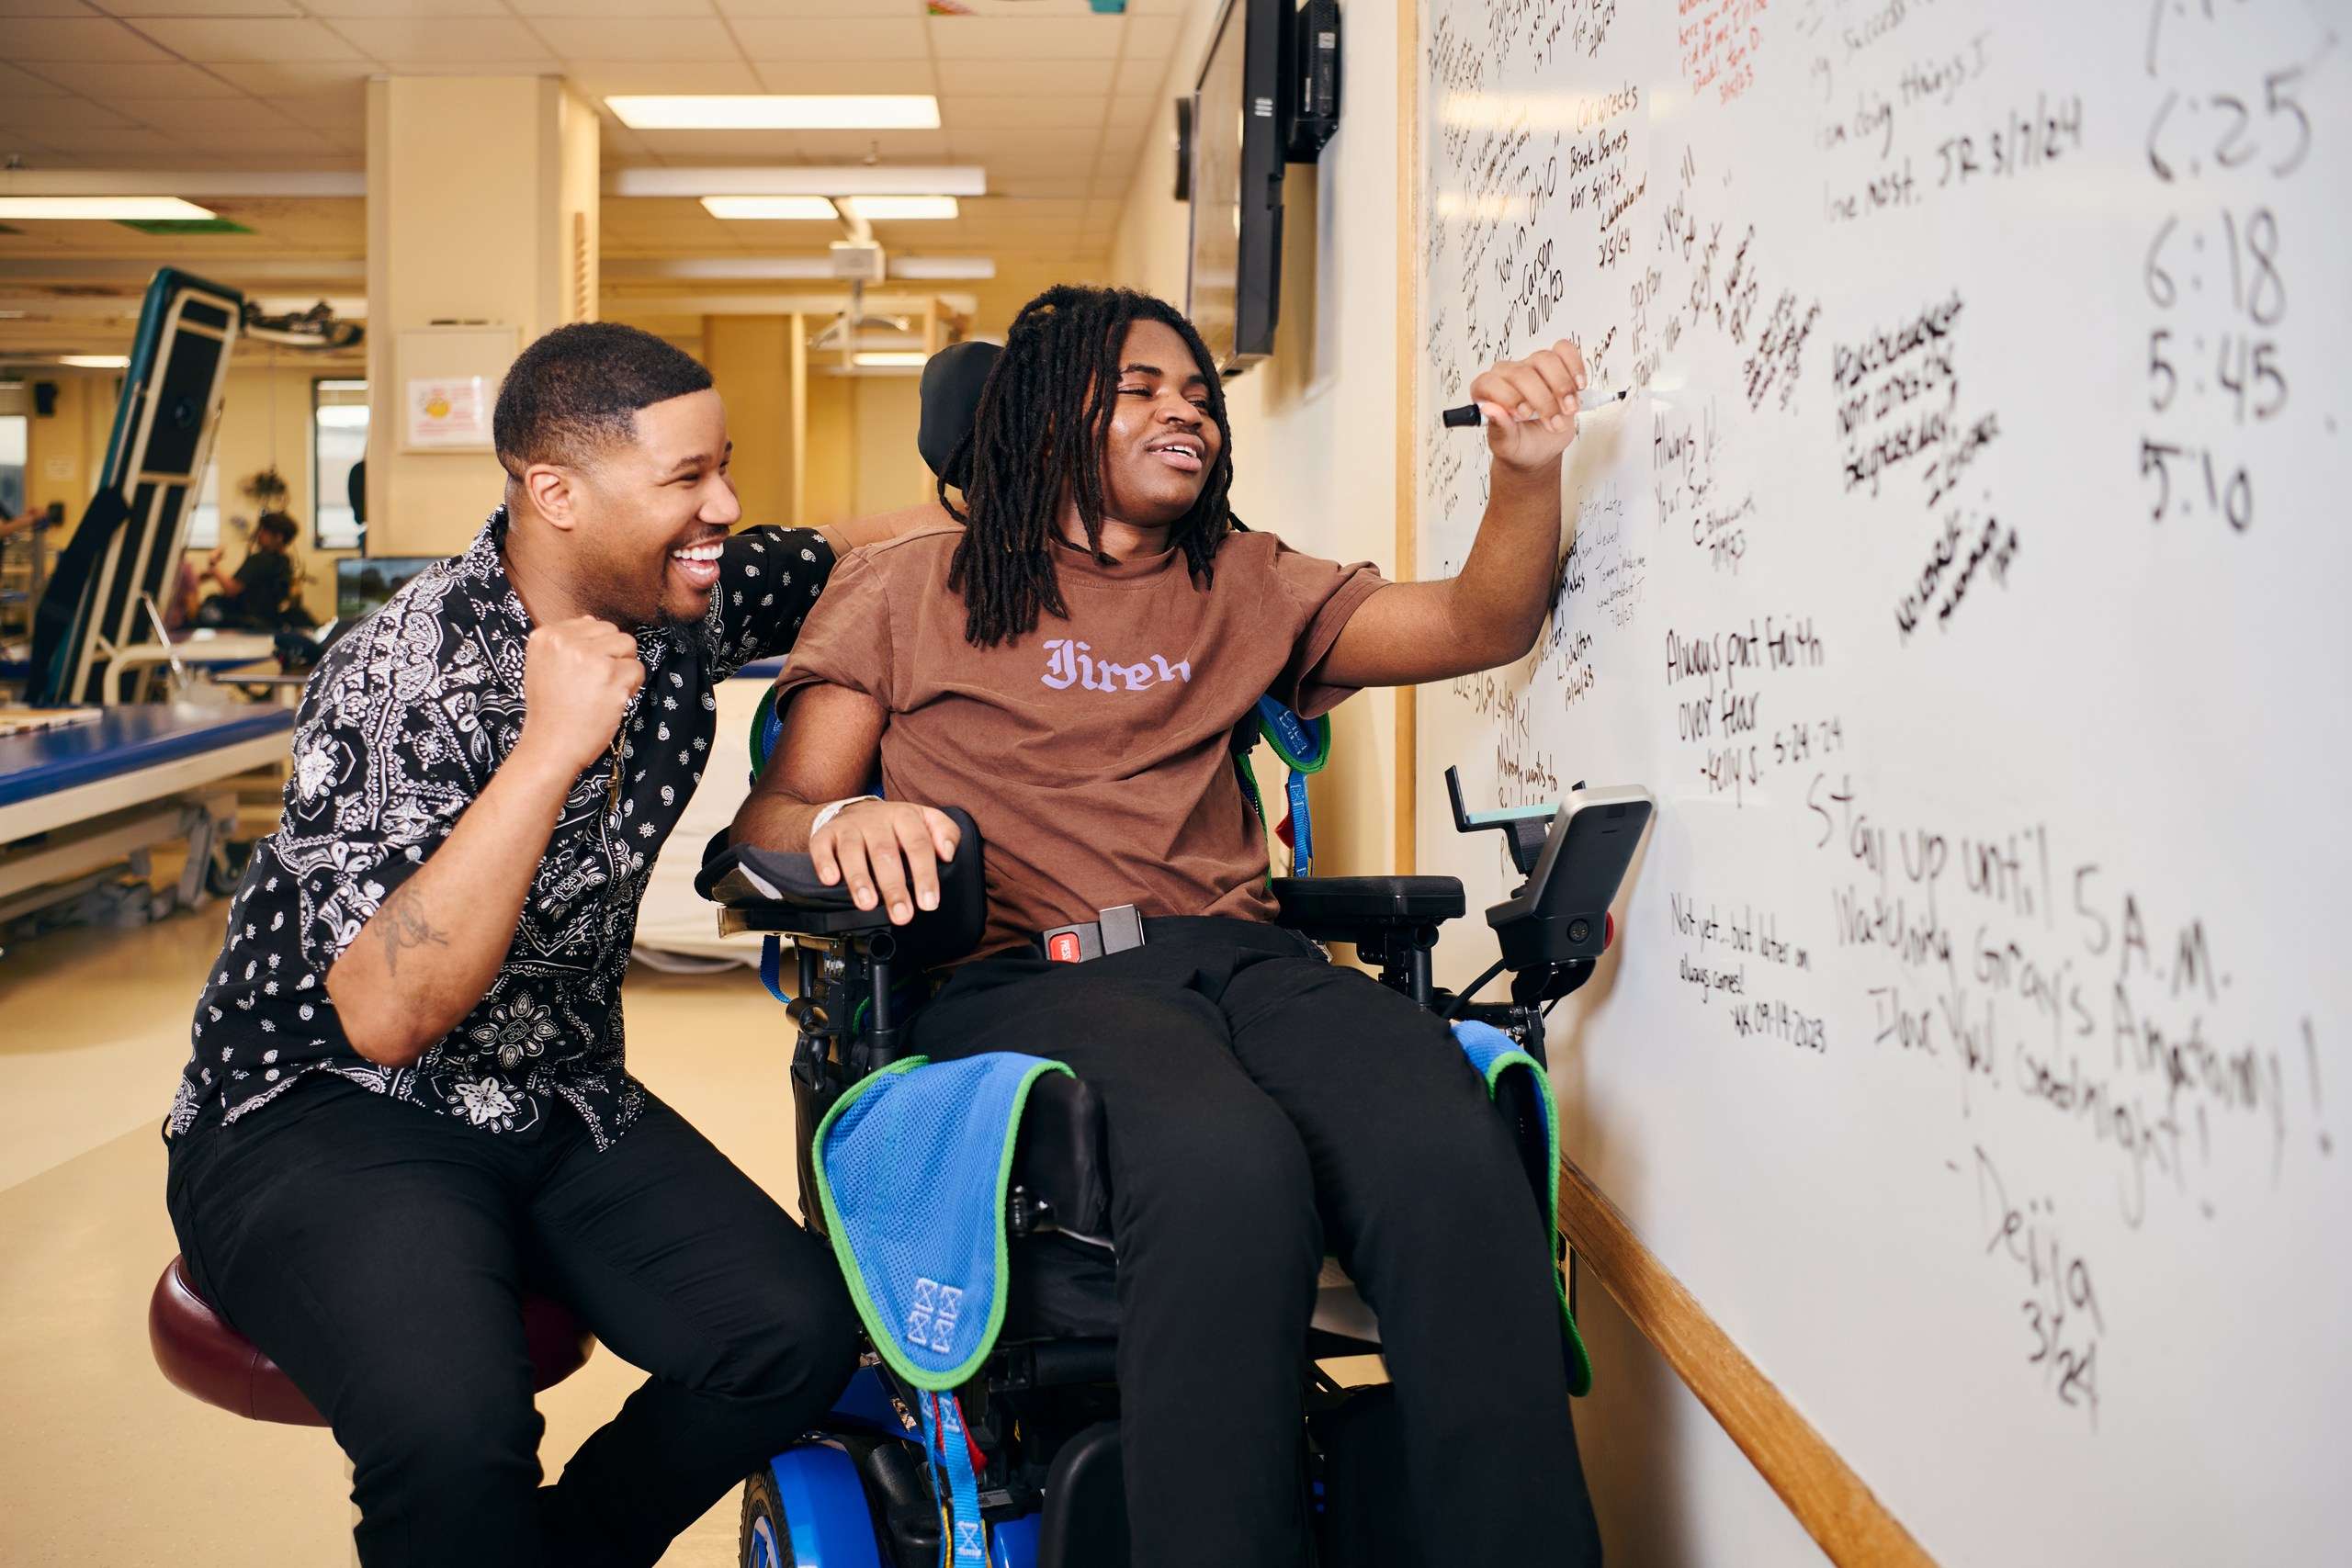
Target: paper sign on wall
[[448, 411]]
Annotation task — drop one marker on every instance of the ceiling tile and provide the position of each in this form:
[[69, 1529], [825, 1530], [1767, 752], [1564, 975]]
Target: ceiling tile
[[1026, 38], [207, 114], [990, 209], [1114, 188], [45, 8], [454, 40], [334, 10], [1015, 141], [719, 145], [344, 114], [56, 119], [298, 78], [604, 78], [661, 39], [639, 9], [16, 84], [789, 39], [211, 41], [286, 140], [1140, 113], [1021, 78], [846, 146], [135, 9], [1059, 164], [845, 75], [37, 39], [128, 139], [1140, 77], [839, 9], [982, 114], [1151, 37], [140, 79], [1038, 186]]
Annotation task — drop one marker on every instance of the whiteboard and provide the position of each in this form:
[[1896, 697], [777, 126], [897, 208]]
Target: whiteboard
[[1965, 580]]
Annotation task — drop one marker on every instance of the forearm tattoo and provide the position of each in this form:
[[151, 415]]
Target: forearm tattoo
[[402, 920]]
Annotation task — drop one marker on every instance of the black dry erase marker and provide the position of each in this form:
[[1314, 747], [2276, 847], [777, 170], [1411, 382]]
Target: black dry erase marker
[[1467, 415]]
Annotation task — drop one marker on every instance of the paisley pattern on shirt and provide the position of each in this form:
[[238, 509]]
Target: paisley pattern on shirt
[[401, 725]]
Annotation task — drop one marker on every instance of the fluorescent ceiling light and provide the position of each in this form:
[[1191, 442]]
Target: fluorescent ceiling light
[[890, 358], [813, 207], [104, 208], [901, 208], [95, 361], [803, 179], [942, 266], [716, 111]]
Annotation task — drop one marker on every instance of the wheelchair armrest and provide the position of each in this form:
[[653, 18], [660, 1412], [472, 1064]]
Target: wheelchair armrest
[[1059, 1161], [1343, 909], [770, 890]]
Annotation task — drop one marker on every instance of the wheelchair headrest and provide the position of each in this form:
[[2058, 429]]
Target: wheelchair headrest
[[781, 892], [952, 379]]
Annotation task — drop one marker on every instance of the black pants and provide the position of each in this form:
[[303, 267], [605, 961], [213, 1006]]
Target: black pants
[[377, 1252], [1262, 1106]]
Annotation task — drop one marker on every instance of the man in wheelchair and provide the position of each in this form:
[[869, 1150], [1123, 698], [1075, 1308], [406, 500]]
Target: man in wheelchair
[[1071, 670]]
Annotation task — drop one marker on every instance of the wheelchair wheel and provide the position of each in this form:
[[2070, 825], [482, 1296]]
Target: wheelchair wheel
[[764, 1542]]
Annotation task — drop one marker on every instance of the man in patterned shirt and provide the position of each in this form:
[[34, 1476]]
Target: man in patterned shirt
[[407, 1093]]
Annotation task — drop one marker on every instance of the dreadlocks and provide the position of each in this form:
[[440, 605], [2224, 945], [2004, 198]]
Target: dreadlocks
[[1039, 433]]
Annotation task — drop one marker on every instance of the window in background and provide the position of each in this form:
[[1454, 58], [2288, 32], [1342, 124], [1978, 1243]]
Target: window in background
[[204, 517], [12, 433], [338, 440]]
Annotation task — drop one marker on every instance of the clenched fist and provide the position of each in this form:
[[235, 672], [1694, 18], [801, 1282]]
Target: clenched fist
[[578, 678], [1530, 404]]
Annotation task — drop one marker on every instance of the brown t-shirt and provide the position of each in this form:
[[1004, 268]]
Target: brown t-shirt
[[1094, 753]]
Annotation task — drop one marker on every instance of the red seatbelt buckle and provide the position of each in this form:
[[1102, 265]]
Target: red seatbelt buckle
[[1072, 944]]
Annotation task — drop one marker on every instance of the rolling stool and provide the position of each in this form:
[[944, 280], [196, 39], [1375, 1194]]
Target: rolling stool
[[201, 1355]]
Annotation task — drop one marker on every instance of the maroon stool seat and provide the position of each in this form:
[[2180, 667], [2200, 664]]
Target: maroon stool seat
[[203, 1356]]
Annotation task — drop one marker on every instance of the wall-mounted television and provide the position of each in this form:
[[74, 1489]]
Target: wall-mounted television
[[1268, 94], [1235, 289]]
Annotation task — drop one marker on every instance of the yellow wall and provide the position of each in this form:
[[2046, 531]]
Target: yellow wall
[[750, 359], [62, 453], [887, 472], [831, 493], [473, 185]]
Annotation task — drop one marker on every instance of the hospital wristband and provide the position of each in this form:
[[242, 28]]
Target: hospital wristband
[[825, 814]]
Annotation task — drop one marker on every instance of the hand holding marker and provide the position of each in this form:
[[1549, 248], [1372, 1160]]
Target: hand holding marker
[[1587, 402]]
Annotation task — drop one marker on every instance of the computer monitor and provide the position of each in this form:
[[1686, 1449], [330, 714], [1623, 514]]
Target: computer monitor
[[362, 583]]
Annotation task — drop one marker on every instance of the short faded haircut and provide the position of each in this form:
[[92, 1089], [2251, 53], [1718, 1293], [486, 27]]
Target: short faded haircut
[[575, 392]]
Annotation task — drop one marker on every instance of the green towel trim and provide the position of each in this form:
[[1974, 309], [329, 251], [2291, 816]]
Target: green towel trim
[[1579, 1364], [884, 1335]]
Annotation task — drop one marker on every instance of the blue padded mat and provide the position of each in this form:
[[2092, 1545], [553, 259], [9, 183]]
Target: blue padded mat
[[124, 740]]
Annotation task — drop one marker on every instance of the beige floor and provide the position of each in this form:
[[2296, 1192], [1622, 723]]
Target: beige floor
[[102, 1461]]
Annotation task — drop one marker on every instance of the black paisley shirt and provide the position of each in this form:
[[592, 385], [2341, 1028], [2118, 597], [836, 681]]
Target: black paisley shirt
[[401, 725]]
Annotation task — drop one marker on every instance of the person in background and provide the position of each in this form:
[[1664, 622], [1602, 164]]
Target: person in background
[[256, 594]]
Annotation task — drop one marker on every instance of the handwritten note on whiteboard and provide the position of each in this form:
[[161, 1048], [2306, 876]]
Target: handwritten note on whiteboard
[[1964, 578]]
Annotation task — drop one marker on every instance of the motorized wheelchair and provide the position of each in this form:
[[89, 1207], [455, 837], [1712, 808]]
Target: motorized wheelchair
[[1042, 1413]]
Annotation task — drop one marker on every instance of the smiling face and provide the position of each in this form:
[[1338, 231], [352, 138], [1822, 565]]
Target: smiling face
[[1161, 441], [650, 515]]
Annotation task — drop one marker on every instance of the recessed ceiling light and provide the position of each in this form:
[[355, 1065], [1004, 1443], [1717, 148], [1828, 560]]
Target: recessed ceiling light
[[803, 179], [900, 208], [811, 207], [95, 361], [890, 358], [102, 209], [719, 111], [942, 266]]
